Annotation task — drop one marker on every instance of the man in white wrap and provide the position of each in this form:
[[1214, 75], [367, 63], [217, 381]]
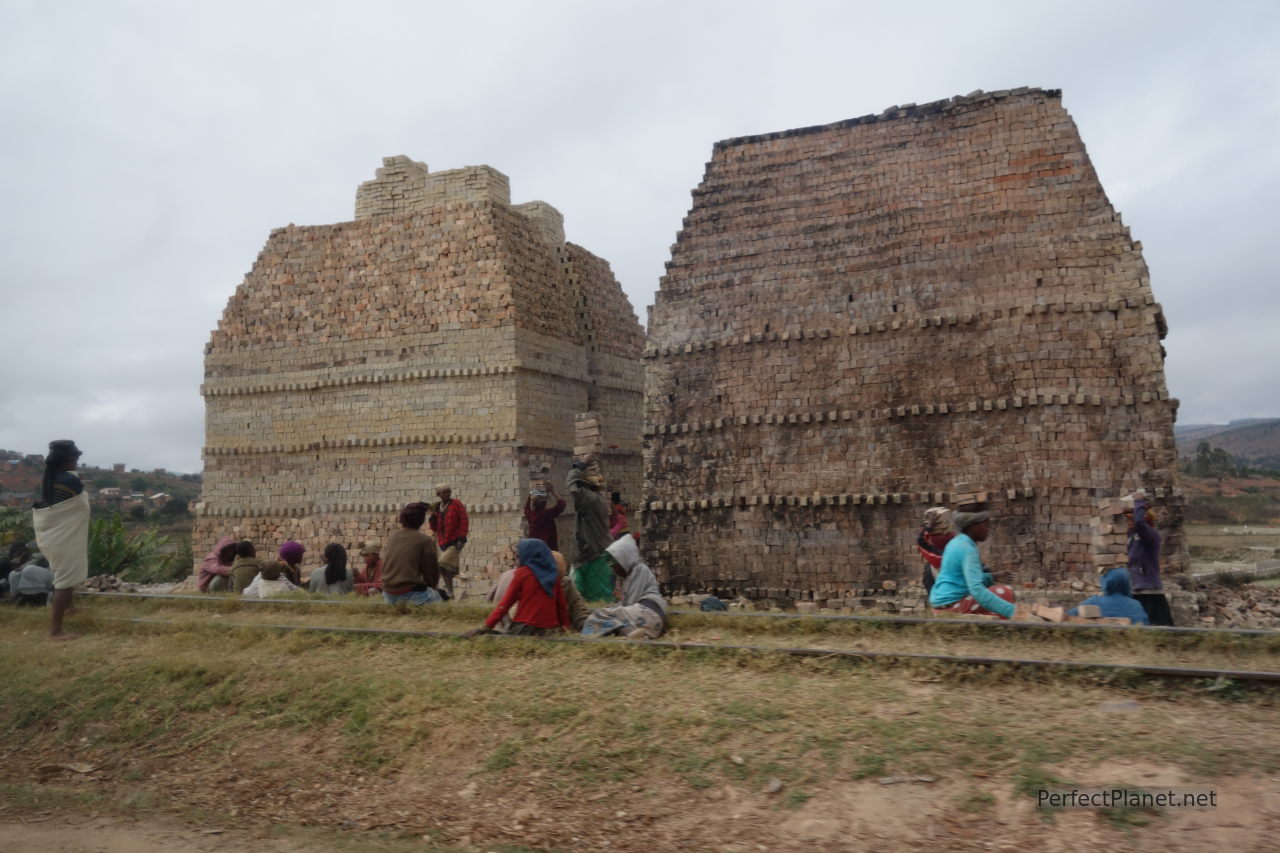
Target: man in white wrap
[[61, 521]]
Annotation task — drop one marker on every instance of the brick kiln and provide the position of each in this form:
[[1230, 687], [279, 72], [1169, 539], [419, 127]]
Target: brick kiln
[[863, 319], [443, 335]]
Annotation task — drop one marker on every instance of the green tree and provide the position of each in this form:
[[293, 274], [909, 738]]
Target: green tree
[[15, 525], [174, 508], [106, 481], [139, 484], [112, 551]]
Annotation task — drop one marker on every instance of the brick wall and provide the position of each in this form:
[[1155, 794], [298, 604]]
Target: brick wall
[[858, 317], [438, 337]]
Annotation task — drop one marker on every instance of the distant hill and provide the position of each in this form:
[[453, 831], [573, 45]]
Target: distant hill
[[1256, 440]]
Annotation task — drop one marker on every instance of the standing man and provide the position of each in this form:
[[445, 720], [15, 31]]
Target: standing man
[[592, 574], [449, 523], [61, 521], [1144, 560], [542, 520]]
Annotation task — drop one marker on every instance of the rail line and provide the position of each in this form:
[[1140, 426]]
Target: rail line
[[1216, 674], [981, 624]]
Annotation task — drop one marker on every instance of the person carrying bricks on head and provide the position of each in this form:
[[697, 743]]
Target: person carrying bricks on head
[[964, 585], [449, 523], [1144, 560], [592, 573], [541, 518]]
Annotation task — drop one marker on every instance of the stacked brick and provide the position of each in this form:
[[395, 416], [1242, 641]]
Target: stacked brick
[[860, 316], [444, 335]]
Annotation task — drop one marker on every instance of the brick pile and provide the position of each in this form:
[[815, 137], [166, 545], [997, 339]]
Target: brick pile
[[858, 317], [443, 335]]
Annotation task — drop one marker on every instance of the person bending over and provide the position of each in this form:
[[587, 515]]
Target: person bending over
[[215, 568], [1117, 598]]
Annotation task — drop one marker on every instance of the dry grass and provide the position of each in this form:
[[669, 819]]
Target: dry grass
[[311, 719], [1200, 650]]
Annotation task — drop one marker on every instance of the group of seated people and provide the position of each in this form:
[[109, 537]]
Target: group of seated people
[[957, 582], [25, 577], [535, 597], [236, 567]]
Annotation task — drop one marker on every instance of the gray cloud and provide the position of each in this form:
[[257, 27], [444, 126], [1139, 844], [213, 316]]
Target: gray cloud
[[150, 147]]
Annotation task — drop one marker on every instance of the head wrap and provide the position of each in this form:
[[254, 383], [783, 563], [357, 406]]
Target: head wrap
[[964, 520], [61, 451], [371, 547], [413, 515], [291, 552], [937, 520], [535, 554], [440, 487]]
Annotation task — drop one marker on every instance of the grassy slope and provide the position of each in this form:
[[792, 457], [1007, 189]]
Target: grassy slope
[[564, 747]]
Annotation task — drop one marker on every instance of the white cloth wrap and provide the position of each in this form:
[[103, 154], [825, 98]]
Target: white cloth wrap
[[62, 532]]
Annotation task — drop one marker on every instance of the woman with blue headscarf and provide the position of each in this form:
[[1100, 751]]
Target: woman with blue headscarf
[[536, 588]]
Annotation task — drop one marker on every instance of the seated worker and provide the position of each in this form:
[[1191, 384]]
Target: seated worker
[[269, 583], [934, 535], [13, 561], [291, 561], [410, 565], [335, 578], [964, 585], [215, 568], [643, 612], [578, 610], [246, 566], [369, 579], [536, 587], [35, 583], [1117, 598]]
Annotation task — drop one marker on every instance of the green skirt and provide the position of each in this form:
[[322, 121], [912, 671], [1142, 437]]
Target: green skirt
[[594, 579]]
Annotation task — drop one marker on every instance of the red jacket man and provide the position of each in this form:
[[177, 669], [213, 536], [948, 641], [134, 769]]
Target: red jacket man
[[449, 524]]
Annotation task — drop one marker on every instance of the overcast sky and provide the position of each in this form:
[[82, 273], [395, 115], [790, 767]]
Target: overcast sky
[[149, 147]]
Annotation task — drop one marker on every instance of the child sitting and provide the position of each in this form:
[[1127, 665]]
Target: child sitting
[[269, 583]]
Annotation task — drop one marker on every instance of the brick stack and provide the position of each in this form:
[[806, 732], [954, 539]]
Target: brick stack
[[444, 335], [859, 316]]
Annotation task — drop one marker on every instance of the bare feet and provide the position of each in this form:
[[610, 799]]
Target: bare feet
[[64, 635]]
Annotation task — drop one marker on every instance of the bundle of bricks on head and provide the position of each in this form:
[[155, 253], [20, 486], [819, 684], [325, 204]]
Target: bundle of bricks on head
[[588, 442], [1110, 532]]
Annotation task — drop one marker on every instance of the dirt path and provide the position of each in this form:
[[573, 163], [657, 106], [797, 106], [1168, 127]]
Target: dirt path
[[45, 834]]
